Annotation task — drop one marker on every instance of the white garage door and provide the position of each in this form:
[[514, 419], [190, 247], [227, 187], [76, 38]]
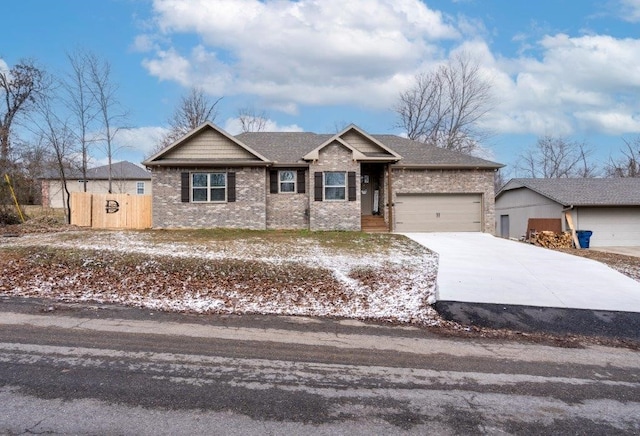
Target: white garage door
[[438, 213], [611, 226]]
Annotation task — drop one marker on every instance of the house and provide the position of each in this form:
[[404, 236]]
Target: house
[[301, 180], [126, 178], [610, 208]]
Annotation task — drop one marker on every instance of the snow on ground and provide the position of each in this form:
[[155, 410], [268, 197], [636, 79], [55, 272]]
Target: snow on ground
[[395, 283]]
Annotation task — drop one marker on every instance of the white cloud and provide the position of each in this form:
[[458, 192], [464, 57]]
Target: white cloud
[[613, 121], [589, 82], [630, 10], [234, 127], [303, 52], [142, 139], [169, 65], [365, 52], [144, 43]]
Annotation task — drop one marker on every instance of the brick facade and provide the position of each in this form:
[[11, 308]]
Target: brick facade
[[451, 181], [288, 210], [247, 212], [334, 215], [256, 208]]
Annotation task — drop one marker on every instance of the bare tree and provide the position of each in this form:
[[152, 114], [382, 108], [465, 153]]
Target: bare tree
[[251, 120], [34, 160], [499, 180], [81, 103], [629, 164], [445, 106], [556, 157], [20, 87], [339, 126], [104, 91], [195, 108], [53, 133]]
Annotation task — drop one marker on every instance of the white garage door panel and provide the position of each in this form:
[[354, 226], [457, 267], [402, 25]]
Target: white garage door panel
[[611, 226], [439, 213]]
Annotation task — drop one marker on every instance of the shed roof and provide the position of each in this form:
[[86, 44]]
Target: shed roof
[[582, 191]]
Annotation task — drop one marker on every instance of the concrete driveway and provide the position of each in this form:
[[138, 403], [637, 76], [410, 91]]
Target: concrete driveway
[[496, 282]]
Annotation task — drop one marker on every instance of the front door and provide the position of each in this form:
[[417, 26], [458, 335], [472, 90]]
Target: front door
[[370, 178]]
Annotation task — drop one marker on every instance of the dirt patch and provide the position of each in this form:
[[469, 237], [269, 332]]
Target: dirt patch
[[40, 224], [627, 265]]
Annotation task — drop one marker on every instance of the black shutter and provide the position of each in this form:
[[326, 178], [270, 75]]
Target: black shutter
[[318, 186], [231, 187], [351, 180], [184, 188], [301, 182], [273, 181]]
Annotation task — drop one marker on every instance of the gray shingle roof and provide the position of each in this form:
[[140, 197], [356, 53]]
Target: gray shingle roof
[[283, 147], [583, 192], [419, 154], [290, 147], [119, 170]]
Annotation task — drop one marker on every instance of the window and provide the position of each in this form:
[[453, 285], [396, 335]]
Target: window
[[208, 187], [335, 184], [140, 188], [286, 181]]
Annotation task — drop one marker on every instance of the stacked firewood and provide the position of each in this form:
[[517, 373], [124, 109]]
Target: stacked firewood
[[550, 239]]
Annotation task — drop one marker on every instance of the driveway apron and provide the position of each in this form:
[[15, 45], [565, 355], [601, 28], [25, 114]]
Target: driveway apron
[[480, 268], [494, 282]]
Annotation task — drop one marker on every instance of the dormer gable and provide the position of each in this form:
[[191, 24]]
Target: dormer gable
[[366, 144], [362, 145]]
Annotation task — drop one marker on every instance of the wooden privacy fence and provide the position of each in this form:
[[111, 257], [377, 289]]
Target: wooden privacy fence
[[111, 211]]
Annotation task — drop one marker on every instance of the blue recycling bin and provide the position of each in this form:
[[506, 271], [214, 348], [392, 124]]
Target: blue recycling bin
[[584, 236]]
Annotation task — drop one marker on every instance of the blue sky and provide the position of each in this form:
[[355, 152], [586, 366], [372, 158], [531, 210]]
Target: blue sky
[[559, 67]]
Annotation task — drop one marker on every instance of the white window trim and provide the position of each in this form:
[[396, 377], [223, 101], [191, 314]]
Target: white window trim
[[138, 186], [294, 182], [325, 186], [208, 187]]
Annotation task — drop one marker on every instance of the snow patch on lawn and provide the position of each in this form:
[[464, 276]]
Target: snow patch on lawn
[[396, 284]]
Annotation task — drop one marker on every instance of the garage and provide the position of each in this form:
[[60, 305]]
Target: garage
[[609, 207], [438, 213], [611, 226]]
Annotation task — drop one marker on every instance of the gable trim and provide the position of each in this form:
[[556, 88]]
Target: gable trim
[[370, 138], [156, 158], [314, 154]]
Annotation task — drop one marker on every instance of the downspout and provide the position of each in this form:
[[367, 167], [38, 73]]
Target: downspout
[[564, 211], [569, 219]]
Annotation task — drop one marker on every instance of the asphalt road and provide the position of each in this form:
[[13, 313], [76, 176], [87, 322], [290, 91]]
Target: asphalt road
[[88, 370]]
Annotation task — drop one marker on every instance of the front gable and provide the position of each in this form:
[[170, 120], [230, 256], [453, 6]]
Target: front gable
[[363, 147], [207, 145], [367, 145]]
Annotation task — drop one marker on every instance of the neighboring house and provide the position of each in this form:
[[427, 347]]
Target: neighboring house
[[126, 178], [292, 180], [610, 208]]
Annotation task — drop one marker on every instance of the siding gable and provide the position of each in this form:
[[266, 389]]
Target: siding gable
[[362, 144], [209, 144]]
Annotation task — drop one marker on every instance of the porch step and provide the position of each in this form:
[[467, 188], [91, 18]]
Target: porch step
[[373, 224]]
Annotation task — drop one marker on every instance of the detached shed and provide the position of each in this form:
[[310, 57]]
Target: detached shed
[[608, 207]]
